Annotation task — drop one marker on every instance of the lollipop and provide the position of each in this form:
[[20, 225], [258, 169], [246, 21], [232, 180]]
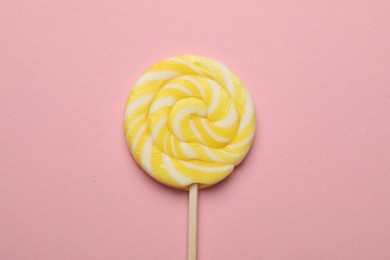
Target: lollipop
[[188, 121]]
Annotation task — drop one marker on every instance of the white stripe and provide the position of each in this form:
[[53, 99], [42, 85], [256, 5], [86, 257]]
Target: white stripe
[[133, 123], [243, 124], [188, 64], [216, 95], [179, 87], [210, 71], [200, 88], [156, 75], [173, 146], [138, 136], [211, 154], [179, 117], [232, 155], [249, 108], [196, 132], [178, 177], [187, 151], [247, 115], [212, 134], [147, 155], [160, 103], [242, 143], [230, 119], [138, 102], [227, 76], [157, 128]]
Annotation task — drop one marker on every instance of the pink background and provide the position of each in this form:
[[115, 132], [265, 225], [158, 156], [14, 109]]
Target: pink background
[[316, 184]]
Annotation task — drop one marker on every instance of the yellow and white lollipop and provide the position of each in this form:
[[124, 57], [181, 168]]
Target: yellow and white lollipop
[[189, 120]]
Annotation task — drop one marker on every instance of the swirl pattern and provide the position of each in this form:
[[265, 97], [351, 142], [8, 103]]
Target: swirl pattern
[[189, 119]]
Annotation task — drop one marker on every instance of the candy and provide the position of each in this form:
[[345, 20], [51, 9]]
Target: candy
[[189, 119]]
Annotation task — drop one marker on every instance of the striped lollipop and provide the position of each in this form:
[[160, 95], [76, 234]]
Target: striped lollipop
[[189, 119]]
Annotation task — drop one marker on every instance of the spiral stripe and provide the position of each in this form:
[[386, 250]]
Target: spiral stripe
[[189, 119]]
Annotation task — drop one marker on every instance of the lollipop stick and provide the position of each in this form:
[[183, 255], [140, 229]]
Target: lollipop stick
[[192, 215]]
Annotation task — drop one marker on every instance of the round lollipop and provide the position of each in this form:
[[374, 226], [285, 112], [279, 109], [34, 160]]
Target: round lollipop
[[188, 121]]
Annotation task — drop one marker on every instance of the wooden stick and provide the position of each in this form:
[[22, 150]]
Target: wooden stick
[[192, 221]]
